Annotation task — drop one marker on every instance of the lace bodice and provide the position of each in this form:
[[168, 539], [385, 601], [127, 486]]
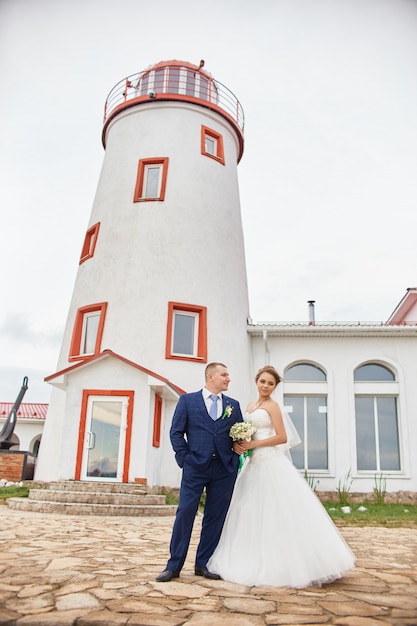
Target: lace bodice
[[261, 419], [264, 429]]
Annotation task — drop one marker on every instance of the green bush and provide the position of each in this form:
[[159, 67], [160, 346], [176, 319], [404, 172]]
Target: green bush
[[13, 492]]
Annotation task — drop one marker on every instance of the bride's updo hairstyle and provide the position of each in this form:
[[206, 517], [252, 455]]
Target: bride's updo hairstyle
[[268, 369]]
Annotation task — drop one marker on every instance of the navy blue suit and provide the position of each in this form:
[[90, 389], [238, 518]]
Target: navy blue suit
[[204, 450]]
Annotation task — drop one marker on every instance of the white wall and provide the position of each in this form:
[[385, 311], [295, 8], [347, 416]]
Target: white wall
[[339, 356]]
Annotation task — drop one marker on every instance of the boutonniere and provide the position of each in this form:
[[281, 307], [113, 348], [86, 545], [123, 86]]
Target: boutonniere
[[227, 411]]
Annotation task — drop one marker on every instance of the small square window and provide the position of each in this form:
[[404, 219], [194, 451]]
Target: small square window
[[186, 332], [212, 144]]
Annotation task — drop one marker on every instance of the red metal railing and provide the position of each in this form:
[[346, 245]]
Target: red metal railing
[[174, 82]]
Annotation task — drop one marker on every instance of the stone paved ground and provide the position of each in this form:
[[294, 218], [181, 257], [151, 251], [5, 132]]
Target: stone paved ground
[[100, 571]]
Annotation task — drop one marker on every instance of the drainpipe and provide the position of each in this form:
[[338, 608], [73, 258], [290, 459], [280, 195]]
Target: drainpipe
[[265, 337], [311, 316]]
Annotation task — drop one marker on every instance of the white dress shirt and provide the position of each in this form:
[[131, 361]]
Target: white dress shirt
[[209, 401]]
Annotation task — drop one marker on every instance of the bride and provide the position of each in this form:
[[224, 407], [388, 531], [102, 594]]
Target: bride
[[276, 532]]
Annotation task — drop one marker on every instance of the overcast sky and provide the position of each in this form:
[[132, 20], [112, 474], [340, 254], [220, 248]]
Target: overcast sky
[[327, 180]]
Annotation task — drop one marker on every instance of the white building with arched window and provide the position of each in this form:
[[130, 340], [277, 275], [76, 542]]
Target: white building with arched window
[[351, 392]]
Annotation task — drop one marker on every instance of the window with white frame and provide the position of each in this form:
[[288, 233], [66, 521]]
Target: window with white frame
[[376, 419], [305, 399], [152, 181], [185, 333], [89, 332], [210, 145]]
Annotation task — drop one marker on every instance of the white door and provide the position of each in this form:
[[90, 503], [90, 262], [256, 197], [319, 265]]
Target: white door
[[104, 438]]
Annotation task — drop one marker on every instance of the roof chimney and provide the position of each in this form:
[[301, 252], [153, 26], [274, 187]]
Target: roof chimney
[[311, 316]]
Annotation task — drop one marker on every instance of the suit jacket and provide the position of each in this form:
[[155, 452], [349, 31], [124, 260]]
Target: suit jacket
[[195, 437]]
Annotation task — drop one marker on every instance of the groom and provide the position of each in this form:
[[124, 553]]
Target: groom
[[204, 450]]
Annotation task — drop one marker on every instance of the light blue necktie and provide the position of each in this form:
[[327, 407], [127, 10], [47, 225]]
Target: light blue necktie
[[213, 408]]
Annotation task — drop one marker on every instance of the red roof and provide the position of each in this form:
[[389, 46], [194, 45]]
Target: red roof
[[27, 410], [109, 353], [405, 309]]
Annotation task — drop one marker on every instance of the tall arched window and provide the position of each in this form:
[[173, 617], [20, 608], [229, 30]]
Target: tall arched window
[[305, 399], [376, 418]]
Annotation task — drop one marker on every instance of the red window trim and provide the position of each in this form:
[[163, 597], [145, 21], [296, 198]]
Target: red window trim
[[89, 244], [206, 131], [81, 429], [141, 177], [74, 354], [157, 419], [202, 331]]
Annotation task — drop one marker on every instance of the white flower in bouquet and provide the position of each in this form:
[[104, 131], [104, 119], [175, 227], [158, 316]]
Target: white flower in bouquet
[[242, 431]]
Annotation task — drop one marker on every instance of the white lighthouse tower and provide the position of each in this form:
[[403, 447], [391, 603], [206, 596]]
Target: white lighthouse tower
[[161, 288]]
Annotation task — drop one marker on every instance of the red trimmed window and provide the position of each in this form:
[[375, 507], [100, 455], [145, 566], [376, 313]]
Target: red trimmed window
[[89, 242], [157, 418], [151, 179], [186, 332], [212, 144], [88, 331]]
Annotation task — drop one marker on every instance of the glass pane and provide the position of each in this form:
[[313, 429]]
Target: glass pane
[[184, 328], [173, 80], [90, 333], [159, 80], [365, 433], [143, 86], [389, 449], [304, 372], [317, 432], [190, 88], [105, 435], [152, 181], [210, 145], [203, 88], [294, 405], [373, 372]]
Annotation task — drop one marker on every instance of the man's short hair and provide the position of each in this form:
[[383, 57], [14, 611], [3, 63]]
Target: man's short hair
[[212, 367]]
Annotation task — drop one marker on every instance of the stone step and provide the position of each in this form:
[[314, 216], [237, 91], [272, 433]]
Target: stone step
[[90, 497], [73, 497], [90, 486], [77, 508]]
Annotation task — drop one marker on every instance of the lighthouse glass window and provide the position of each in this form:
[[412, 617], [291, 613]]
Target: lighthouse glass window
[[185, 334]]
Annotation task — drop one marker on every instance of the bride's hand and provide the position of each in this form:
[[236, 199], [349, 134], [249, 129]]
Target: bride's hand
[[245, 445], [238, 447]]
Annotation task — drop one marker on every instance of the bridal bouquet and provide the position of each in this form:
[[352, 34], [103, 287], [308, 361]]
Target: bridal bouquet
[[242, 431]]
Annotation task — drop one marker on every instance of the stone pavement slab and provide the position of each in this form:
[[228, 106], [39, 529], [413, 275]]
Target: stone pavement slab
[[100, 571]]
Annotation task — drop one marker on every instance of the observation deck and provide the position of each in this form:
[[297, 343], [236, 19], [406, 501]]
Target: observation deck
[[175, 80]]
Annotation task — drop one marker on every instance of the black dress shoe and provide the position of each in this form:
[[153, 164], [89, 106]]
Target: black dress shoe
[[203, 571], [166, 576]]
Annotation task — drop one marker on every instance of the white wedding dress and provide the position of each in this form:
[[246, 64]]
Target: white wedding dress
[[277, 532]]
